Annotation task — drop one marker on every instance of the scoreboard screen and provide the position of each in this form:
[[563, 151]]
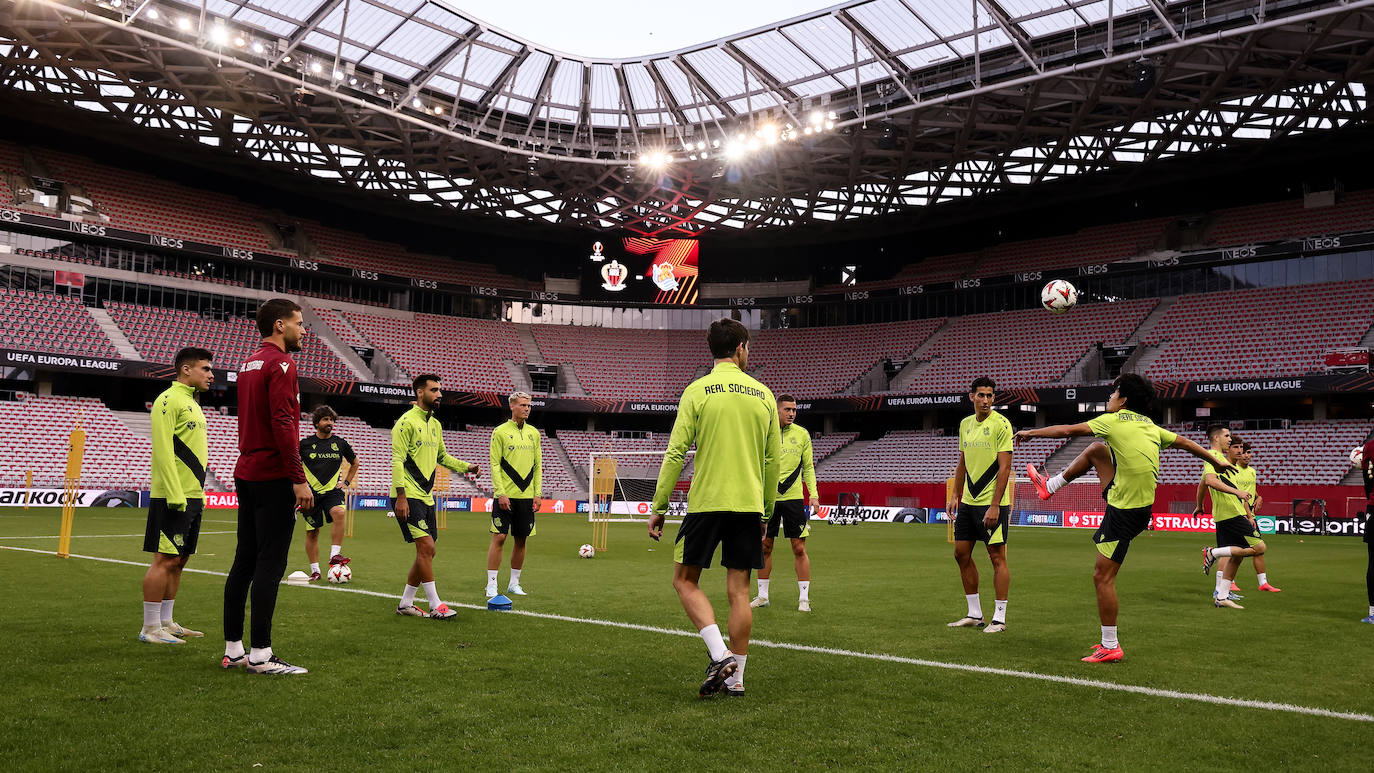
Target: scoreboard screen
[[641, 270]]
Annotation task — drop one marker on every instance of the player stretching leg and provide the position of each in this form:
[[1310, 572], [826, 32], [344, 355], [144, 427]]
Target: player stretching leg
[[1127, 464], [1246, 480], [982, 502], [789, 512], [1237, 535]]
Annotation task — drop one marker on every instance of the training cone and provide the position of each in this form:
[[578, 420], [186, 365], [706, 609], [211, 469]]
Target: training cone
[[499, 603]]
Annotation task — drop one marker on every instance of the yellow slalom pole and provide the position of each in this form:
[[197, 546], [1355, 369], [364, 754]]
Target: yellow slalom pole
[[70, 487], [28, 487], [348, 510], [949, 517]]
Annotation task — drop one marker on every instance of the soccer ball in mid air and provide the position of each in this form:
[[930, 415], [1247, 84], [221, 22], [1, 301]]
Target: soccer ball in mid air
[[1058, 296], [340, 574], [1357, 456], [586, 551]]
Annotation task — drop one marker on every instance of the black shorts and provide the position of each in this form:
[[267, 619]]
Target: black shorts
[[173, 532], [1237, 532], [792, 516], [738, 535], [1119, 527], [969, 527], [419, 521], [317, 516], [518, 521]]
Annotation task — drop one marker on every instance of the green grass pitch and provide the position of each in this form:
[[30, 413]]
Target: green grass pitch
[[514, 692]]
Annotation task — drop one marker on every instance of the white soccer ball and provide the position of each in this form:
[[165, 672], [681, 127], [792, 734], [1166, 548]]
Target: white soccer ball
[[340, 574], [1058, 296], [1357, 456], [586, 551]]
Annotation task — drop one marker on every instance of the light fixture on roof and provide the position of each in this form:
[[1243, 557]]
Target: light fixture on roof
[[644, 159], [352, 81], [286, 59], [183, 24], [417, 104], [338, 75], [116, 3], [152, 14], [817, 118], [734, 151], [439, 110], [258, 47], [315, 67], [701, 145], [239, 41], [219, 34]]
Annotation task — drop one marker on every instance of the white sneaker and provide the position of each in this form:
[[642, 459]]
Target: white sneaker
[[176, 629], [997, 626], [760, 601], [1226, 603], [492, 592], [516, 589], [160, 636], [967, 622], [276, 666], [410, 611], [804, 605]]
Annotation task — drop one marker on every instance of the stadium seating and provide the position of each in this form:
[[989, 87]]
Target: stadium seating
[[340, 327], [46, 322], [467, 354], [921, 457], [1290, 219], [1022, 348], [350, 250], [1260, 332], [1099, 244], [37, 434], [158, 333], [813, 362], [1307, 453], [629, 364]]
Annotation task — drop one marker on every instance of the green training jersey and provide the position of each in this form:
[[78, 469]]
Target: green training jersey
[[1135, 441], [733, 419], [980, 442], [798, 464], [417, 450], [323, 459], [181, 446], [1224, 506], [517, 461], [1245, 479]]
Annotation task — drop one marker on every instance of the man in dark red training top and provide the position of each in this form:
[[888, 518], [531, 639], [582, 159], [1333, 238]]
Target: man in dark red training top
[[271, 485]]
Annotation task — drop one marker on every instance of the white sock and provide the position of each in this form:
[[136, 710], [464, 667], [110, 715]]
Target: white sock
[[1371, 610], [233, 649], [431, 593], [334, 550], [408, 596], [259, 654], [736, 679], [1109, 637], [763, 588], [999, 611], [1221, 552], [975, 607], [1056, 483], [805, 587], [167, 610], [152, 615], [491, 577], [1263, 578], [515, 577], [1223, 587], [715, 643], [315, 568]]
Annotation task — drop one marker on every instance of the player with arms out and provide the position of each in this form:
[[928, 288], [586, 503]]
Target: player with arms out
[[733, 419], [1237, 534], [517, 462], [181, 446], [789, 512], [324, 455], [417, 450], [982, 500], [1127, 465], [1246, 479]]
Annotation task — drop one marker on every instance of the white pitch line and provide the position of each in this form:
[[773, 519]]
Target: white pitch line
[[877, 656], [99, 536]]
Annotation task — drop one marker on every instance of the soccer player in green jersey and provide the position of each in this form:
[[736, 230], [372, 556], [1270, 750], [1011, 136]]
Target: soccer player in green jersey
[[517, 463], [330, 468], [982, 501], [1237, 532], [733, 419], [181, 449], [1246, 480], [798, 466], [1127, 464], [417, 450], [1218, 440]]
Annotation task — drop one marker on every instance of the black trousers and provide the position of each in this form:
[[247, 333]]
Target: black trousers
[[267, 521], [1369, 572]]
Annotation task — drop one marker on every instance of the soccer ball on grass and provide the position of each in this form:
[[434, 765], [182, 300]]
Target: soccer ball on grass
[[586, 551], [340, 574]]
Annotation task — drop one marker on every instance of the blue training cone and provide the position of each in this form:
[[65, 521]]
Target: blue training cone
[[499, 604]]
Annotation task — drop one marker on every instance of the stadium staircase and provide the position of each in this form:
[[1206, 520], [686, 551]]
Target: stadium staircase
[[323, 332], [568, 385], [518, 376], [1367, 341], [857, 447], [385, 369], [916, 363], [141, 424], [111, 330], [1353, 476], [578, 474], [873, 380], [1145, 355]]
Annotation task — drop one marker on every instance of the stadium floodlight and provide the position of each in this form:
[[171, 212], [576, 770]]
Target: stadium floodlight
[[183, 24], [829, 125], [417, 104], [286, 59], [239, 41], [715, 143], [152, 14], [439, 110], [219, 34], [315, 67], [701, 145], [116, 3], [734, 151], [352, 81], [644, 159], [258, 47], [338, 75], [817, 117], [753, 144]]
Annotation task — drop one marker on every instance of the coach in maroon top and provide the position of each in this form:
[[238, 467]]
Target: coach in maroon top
[[271, 485]]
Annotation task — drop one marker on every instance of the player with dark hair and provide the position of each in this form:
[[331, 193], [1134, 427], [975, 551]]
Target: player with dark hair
[[417, 450], [324, 454], [1246, 480], [181, 447], [1127, 464], [1237, 532], [271, 486], [733, 419], [798, 466], [981, 500]]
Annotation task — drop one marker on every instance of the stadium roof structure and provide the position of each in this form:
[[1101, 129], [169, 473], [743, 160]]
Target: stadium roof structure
[[863, 109]]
